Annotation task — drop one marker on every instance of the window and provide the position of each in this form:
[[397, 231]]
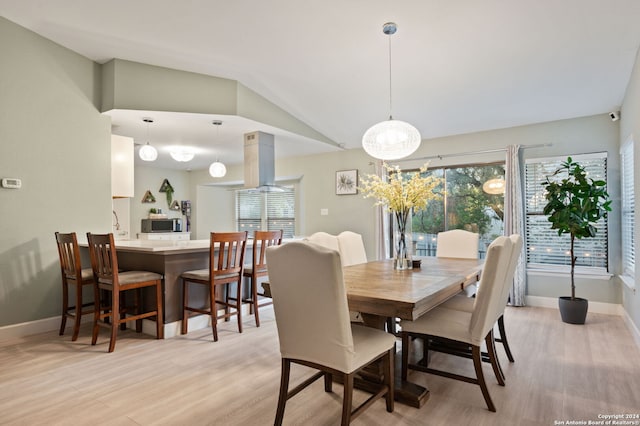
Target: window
[[464, 205], [628, 209], [268, 211], [544, 246]]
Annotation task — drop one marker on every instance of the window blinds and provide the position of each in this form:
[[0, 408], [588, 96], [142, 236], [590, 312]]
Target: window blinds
[[544, 246], [269, 211], [628, 210]]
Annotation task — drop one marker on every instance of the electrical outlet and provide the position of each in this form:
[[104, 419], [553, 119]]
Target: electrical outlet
[[324, 212]]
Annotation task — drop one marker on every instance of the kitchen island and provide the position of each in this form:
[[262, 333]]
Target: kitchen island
[[171, 259]]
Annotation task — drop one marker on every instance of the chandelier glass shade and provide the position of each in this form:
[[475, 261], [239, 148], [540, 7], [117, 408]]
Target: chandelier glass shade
[[391, 140], [148, 153], [494, 186], [217, 169], [182, 154]]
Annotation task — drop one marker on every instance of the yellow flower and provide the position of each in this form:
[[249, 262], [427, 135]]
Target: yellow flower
[[401, 194]]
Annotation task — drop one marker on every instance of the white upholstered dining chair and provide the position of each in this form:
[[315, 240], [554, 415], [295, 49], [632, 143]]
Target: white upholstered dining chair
[[351, 248], [312, 318], [459, 244], [324, 239], [463, 303], [467, 328]]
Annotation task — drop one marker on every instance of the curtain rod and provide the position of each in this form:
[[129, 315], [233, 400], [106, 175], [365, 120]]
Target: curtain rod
[[461, 154]]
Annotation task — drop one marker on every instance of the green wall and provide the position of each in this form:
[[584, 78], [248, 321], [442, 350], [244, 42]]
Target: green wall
[[53, 137]]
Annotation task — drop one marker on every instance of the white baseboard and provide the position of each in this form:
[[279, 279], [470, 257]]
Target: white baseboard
[[632, 328], [595, 307], [16, 331]]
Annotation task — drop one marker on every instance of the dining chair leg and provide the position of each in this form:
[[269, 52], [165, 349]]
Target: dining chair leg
[[254, 305], [389, 380], [493, 358], [477, 363], [328, 382], [159, 316], [115, 314], [347, 399], [239, 305], [78, 313], [284, 388], [138, 305], [405, 355], [185, 313], [214, 312], [227, 295], [97, 304], [503, 338], [65, 307]]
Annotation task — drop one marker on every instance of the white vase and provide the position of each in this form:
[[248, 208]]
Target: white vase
[[402, 240]]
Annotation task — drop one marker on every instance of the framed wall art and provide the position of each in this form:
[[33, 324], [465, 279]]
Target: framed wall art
[[346, 182]]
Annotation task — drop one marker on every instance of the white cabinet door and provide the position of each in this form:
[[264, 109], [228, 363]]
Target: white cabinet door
[[121, 166]]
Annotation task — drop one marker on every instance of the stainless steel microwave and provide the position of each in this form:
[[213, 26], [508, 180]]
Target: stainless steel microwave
[[161, 225]]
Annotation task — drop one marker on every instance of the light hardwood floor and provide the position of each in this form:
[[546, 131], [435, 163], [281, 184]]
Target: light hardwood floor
[[562, 372]]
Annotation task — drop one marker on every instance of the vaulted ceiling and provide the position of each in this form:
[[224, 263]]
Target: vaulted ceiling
[[457, 66]]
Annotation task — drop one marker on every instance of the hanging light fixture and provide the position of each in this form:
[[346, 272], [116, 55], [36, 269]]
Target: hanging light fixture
[[494, 186], [217, 169], [147, 152], [391, 139], [182, 154]]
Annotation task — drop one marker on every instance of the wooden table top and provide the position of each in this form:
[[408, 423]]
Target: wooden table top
[[375, 288]]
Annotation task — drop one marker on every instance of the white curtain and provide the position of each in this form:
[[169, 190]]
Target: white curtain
[[514, 220], [381, 220]]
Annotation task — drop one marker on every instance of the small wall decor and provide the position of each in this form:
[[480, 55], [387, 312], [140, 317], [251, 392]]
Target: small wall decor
[[347, 182], [168, 189], [148, 197], [175, 205]]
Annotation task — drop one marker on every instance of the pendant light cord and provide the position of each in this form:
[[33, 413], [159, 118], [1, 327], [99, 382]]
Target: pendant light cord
[[390, 91]]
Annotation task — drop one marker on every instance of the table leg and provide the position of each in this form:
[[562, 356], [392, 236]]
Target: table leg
[[405, 392]]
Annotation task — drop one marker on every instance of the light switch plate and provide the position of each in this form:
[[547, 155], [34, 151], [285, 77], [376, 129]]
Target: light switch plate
[[11, 183], [324, 212]]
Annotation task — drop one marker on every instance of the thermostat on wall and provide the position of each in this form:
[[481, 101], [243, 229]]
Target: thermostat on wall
[[13, 183]]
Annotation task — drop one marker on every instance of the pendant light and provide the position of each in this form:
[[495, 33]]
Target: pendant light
[[217, 169], [391, 139], [494, 186], [182, 154], [147, 152]]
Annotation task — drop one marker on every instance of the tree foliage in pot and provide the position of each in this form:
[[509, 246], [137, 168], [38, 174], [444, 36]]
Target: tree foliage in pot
[[574, 205]]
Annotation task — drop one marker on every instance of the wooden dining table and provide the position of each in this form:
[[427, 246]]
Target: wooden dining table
[[379, 292]]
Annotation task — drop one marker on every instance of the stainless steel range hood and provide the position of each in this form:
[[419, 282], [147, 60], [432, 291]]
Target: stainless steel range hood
[[259, 162]]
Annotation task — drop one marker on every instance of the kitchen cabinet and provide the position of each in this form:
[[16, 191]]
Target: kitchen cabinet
[[122, 155]]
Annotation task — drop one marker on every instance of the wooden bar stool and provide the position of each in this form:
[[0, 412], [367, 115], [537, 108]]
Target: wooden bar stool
[[104, 263], [258, 268], [73, 275], [226, 257]]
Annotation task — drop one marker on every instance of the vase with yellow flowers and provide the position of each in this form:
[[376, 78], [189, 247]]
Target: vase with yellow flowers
[[402, 194]]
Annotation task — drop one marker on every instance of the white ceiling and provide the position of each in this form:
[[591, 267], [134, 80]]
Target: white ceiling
[[458, 66]]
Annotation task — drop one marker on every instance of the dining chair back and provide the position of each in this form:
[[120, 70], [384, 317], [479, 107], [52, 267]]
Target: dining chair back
[[312, 318], [457, 243], [73, 276], [110, 281], [351, 248], [324, 239], [257, 269], [226, 266]]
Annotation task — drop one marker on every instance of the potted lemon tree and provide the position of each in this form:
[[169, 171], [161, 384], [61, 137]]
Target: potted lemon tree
[[574, 205]]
